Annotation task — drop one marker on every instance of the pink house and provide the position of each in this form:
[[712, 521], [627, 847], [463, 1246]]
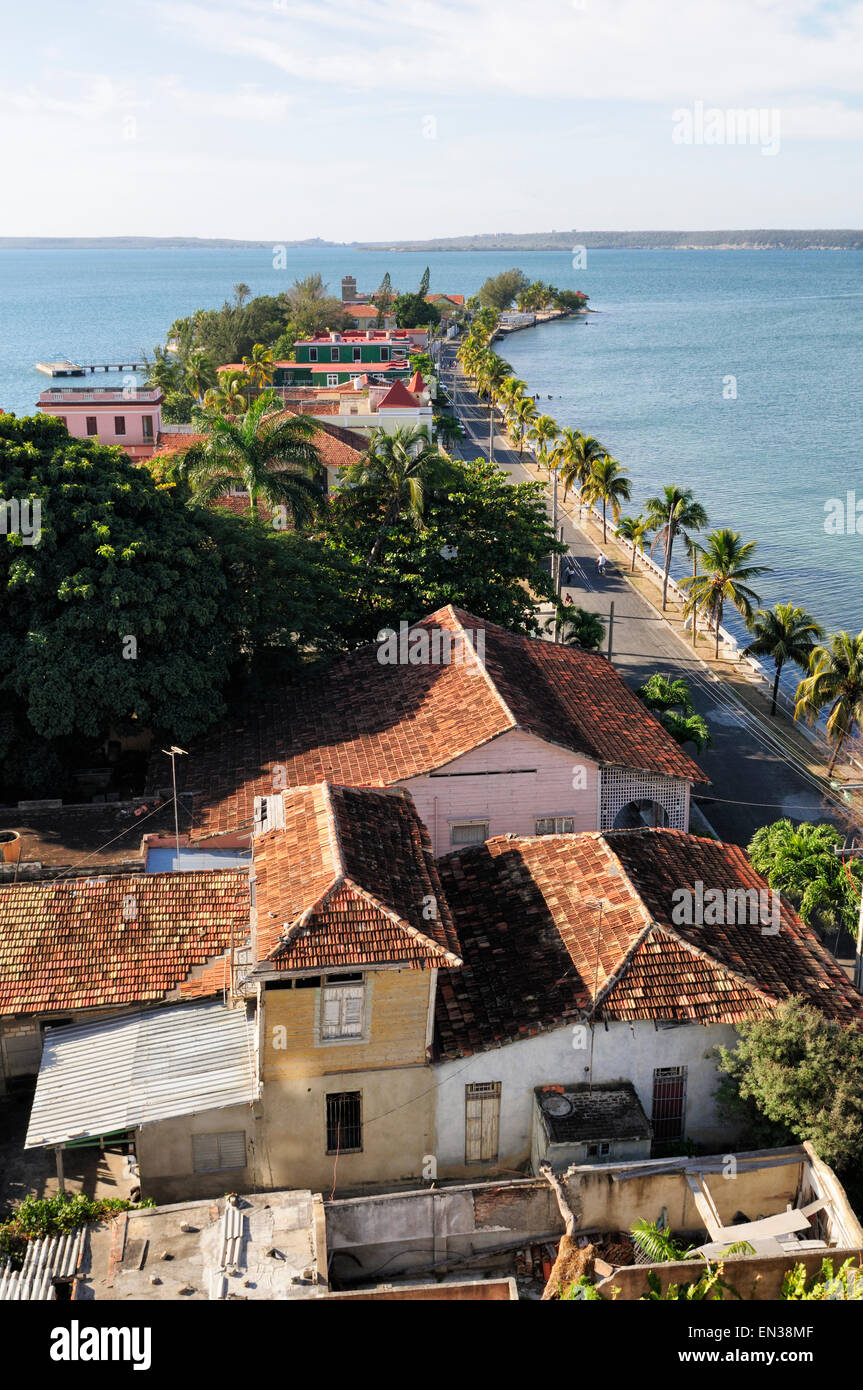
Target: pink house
[[109, 414], [491, 733]]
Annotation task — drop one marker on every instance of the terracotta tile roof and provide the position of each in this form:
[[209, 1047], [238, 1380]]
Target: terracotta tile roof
[[350, 880], [170, 444], [88, 943], [537, 955], [398, 398], [365, 723]]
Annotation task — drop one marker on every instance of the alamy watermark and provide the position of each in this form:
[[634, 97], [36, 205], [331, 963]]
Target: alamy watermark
[[21, 517], [710, 125], [420, 646], [843, 516], [715, 907]]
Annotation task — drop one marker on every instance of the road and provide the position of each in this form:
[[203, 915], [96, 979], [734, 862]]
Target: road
[[752, 779]]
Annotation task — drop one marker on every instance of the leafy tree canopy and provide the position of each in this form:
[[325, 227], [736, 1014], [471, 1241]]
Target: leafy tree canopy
[[501, 291]]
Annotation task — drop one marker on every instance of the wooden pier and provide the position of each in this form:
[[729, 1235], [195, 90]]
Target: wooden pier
[[88, 368]]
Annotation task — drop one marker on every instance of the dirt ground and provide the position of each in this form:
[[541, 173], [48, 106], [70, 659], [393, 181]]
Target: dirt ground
[[33, 1172]]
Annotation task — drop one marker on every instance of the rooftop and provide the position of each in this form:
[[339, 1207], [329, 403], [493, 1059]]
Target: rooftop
[[100, 395], [347, 882], [118, 1073], [398, 397], [538, 955], [104, 942], [79, 838], [574, 1114], [368, 723]]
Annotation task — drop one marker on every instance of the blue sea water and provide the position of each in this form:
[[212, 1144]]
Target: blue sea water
[[736, 373]]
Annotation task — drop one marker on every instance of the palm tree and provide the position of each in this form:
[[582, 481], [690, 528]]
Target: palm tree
[[784, 633], [511, 390], [577, 627], [228, 398], [260, 366], [200, 374], [607, 483], [542, 432], [269, 452], [491, 375], [165, 372], [672, 514], [836, 680], [397, 470], [523, 413], [580, 452], [726, 572], [634, 529], [801, 863]]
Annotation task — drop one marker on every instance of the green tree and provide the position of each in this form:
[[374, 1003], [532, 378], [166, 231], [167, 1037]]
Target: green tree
[[259, 365], [524, 412], [783, 633], [482, 546], [268, 452], [501, 291], [660, 692], [199, 375], [726, 576], [801, 863], [579, 453], [674, 513], [113, 616], [230, 396], [576, 627], [383, 299], [635, 530], [803, 1074], [542, 433], [835, 682], [690, 728], [396, 473], [607, 483]]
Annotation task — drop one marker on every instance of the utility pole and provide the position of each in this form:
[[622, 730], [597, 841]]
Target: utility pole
[[491, 428], [555, 558], [172, 753], [854, 851], [611, 631]]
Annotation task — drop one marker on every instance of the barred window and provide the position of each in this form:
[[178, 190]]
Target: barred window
[[469, 832], [344, 1122], [555, 825]]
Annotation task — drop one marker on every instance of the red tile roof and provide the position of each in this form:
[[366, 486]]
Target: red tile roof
[[416, 383], [365, 723], [538, 955], [170, 444], [398, 398], [350, 880], [94, 943]]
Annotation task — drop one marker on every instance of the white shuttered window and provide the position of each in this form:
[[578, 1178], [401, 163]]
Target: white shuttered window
[[341, 1012]]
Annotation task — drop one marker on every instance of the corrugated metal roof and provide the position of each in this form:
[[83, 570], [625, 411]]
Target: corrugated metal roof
[[52, 1257], [97, 1078]]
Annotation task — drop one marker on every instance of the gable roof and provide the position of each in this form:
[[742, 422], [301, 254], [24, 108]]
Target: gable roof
[[538, 954], [398, 397], [416, 383], [350, 880], [93, 943], [365, 722]]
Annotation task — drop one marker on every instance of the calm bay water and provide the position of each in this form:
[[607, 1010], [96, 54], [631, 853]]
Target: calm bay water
[[648, 374]]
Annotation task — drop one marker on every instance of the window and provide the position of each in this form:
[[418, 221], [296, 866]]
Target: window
[[342, 1011], [92, 425], [213, 1152], [332, 378], [481, 1121], [669, 1102], [555, 825], [147, 426], [385, 354], [344, 1122], [468, 832], [358, 354], [119, 424], [334, 354], [601, 1150], [313, 354]]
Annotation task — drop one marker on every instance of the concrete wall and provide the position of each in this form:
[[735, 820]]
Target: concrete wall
[[621, 1052], [397, 1107], [754, 1277], [532, 779], [165, 1162]]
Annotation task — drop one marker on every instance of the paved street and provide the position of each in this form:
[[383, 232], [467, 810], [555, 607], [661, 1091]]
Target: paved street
[[752, 780]]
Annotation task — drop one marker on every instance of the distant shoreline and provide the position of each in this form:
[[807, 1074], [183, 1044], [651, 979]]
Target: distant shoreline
[[835, 239]]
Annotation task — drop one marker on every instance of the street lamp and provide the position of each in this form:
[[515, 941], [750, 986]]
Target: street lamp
[[172, 754]]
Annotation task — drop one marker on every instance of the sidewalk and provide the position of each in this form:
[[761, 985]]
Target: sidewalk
[[760, 769]]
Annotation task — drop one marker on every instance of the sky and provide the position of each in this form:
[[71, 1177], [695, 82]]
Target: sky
[[385, 119]]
